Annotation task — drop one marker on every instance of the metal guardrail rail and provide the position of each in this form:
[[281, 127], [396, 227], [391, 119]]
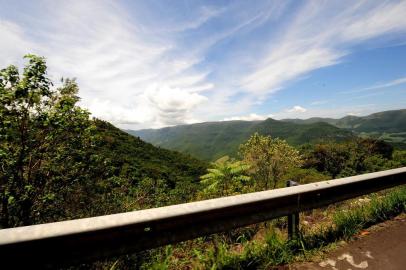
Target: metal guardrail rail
[[93, 238]]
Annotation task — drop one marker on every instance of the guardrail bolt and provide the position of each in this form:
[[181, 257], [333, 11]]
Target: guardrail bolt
[[293, 219]]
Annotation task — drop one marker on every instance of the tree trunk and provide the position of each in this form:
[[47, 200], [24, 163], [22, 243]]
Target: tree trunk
[[4, 218], [26, 208]]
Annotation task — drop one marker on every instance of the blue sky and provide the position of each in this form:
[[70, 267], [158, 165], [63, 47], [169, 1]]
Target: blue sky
[[149, 64]]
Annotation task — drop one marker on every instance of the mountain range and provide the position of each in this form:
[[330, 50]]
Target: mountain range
[[211, 140], [388, 125]]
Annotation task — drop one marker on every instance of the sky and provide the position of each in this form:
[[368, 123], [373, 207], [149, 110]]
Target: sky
[[150, 64]]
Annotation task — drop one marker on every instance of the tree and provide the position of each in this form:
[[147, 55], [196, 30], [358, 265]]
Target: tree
[[225, 177], [399, 156], [341, 159], [331, 158], [44, 142], [269, 159]]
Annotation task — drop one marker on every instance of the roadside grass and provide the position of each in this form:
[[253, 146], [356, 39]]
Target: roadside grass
[[339, 222]]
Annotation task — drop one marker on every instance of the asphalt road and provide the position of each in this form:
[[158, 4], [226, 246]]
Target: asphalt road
[[382, 247]]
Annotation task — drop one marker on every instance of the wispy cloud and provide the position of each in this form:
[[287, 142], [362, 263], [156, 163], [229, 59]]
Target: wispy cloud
[[387, 84], [320, 35]]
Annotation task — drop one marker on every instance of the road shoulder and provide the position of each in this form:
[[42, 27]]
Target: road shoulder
[[382, 246]]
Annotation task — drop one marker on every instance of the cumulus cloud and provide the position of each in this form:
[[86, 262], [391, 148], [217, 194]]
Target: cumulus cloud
[[158, 106], [249, 117], [297, 109], [173, 105]]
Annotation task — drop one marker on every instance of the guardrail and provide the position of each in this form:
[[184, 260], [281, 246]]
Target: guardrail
[[87, 239]]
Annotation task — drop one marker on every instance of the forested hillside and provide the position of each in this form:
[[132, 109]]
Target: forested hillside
[[212, 140], [133, 158]]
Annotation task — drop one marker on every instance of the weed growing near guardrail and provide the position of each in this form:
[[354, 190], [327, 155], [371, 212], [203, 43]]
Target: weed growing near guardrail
[[379, 209]]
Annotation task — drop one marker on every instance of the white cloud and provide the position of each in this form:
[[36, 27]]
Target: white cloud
[[173, 105], [296, 109], [353, 113], [249, 117], [158, 106]]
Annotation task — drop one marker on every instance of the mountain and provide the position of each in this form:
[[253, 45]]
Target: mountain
[[387, 125], [212, 140]]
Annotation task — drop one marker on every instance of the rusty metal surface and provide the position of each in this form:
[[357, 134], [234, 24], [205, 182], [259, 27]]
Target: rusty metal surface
[[98, 237]]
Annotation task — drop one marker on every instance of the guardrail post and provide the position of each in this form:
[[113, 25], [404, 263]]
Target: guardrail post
[[293, 219]]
